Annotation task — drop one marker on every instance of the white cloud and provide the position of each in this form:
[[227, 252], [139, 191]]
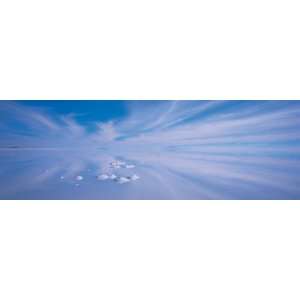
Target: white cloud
[[106, 131]]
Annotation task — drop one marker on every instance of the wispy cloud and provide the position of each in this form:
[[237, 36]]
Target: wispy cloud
[[188, 149]]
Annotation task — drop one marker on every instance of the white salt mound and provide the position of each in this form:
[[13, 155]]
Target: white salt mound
[[135, 177], [102, 177], [130, 166], [117, 164], [122, 180]]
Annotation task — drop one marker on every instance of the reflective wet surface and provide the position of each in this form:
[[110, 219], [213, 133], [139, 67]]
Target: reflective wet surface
[[153, 150], [46, 174]]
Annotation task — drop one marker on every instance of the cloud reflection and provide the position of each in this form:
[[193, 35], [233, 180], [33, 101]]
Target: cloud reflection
[[160, 149]]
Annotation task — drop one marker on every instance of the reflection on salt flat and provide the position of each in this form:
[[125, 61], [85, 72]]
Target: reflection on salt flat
[[65, 174], [154, 150], [52, 174]]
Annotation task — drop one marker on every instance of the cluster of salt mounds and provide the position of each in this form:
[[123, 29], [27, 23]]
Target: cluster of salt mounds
[[121, 179], [117, 164]]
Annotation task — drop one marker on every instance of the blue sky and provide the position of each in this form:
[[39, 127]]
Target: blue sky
[[85, 111], [177, 149]]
